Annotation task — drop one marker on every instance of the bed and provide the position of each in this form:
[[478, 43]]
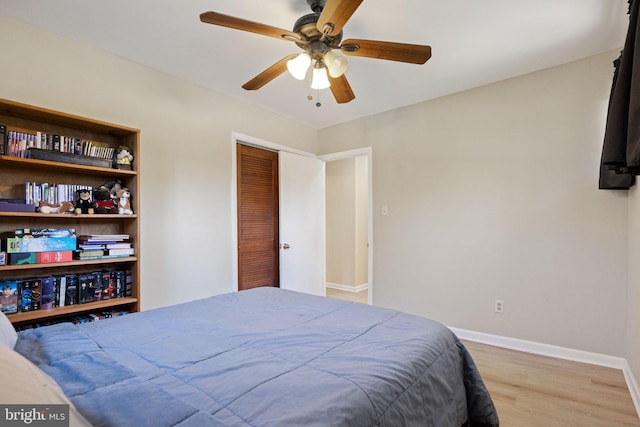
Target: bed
[[263, 357]]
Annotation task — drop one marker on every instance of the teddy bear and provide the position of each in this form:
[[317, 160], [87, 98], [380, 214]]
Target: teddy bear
[[103, 202], [124, 158], [83, 203], [124, 202]]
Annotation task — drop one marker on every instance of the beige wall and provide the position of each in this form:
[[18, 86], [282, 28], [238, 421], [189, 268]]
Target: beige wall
[[492, 194], [186, 149]]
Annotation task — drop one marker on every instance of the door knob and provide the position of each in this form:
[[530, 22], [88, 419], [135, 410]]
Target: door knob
[[285, 246]]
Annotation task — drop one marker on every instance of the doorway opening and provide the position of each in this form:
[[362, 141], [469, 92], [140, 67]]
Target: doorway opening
[[347, 240], [365, 155]]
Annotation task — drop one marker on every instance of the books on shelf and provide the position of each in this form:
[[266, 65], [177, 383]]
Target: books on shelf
[[51, 193], [97, 246], [17, 144], [53, 291]]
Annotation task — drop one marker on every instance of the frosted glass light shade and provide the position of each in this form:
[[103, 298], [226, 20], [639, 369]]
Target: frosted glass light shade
[[299, 65], [335, 63], [320, 79]]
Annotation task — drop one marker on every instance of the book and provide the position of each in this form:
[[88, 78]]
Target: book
[[53, 256], [45, 232], [128, 289], [118, 246], [103, 237], [120, 283], [9, 296], [106, 285], [113, 291], [92, 246], [128, 251], [88, 258], [95, 286], [3, 140], [56, 291], [88, 253], [47, 293], [42, 244], [24, 291], [83, 289], [71, 295], [22, 258], [36, 294], [61, 291]]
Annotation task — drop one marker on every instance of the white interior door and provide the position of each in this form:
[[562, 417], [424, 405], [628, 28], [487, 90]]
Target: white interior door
[[302, 223]]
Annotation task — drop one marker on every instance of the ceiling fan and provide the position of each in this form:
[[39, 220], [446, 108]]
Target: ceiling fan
[[318, 34]]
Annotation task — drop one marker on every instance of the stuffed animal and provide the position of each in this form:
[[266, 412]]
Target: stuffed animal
[[102, 201], [83, 203], [62, 207], [124, 202], [124, 158]]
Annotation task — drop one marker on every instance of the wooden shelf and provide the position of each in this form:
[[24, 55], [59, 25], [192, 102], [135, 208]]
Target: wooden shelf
[[71, 309], [67, 216], [15, 172], [19, 162], [68, 264]]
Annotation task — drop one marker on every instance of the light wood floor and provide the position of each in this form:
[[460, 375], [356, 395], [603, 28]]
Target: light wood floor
[[538, 391], [534, 391]]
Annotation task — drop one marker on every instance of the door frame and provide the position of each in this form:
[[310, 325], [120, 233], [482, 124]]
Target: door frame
[[238, 138]]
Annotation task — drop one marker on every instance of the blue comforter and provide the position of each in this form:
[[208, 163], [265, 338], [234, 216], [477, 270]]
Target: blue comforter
[[264, 357]]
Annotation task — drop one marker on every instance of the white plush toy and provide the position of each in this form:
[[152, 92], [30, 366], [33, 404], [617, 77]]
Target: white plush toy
[[124, 204]]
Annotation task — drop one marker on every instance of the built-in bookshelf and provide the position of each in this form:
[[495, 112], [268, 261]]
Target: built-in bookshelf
[[16, 171]]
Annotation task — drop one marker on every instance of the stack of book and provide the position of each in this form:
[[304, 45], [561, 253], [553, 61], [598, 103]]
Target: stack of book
[[98, 246], [40, 245]]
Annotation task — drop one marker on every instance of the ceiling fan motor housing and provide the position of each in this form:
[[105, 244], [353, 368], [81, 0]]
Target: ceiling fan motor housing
[[306, 26]]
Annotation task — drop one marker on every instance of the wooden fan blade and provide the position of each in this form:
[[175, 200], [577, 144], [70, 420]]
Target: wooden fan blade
[[250, 26], [336, 13], [401, 52], [269, 74], [341, 89]]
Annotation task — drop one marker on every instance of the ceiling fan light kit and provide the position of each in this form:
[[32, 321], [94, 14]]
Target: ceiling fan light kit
[[320, 80], [318, 34], [299, 65]]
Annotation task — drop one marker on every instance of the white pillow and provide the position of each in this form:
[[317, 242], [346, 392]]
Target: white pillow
[[8, 335], [24, 383]]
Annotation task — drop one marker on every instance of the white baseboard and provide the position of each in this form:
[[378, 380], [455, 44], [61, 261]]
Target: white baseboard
[[560, 353], [347, 288], [542, 349], [632, 384]]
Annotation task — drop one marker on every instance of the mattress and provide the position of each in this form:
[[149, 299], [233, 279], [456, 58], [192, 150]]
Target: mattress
[[264, 357]]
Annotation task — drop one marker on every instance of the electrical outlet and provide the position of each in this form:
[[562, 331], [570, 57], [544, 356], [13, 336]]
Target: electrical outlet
[[499, 306]]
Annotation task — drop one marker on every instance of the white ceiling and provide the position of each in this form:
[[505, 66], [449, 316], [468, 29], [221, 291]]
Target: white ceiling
[[474, 42]]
